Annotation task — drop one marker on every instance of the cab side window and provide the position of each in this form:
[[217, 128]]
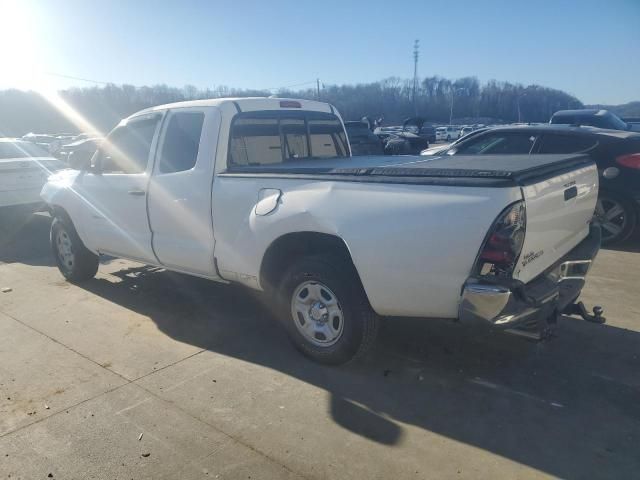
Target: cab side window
[[126, 149], [181, 142]]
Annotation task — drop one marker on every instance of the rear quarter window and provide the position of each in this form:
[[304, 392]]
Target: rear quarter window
[[181, 142]]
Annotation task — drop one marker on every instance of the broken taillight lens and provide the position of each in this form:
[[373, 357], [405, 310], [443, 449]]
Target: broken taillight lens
[[503, 243]]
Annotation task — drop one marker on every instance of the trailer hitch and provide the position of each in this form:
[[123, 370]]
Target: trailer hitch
[[580, 309], [542, 329]]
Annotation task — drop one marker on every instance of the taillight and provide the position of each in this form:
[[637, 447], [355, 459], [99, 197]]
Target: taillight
[[503, 244], [631, 160]]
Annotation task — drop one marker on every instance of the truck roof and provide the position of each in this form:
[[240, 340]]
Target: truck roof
[[248, 104]]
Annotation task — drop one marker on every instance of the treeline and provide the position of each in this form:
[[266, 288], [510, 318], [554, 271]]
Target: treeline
[[393, 99], [493, 102]]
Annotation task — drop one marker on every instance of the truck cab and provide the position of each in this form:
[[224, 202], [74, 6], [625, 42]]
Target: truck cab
[[147, 193]]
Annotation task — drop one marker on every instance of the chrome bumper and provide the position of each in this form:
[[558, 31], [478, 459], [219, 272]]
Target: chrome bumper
[[505, 306]]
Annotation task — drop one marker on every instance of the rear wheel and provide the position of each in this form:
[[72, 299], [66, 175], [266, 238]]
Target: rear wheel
[[325, 310], [74, 260], [616, 216]]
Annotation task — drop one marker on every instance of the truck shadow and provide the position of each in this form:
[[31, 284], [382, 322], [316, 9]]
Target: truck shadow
[[569, 407], [25, 239]]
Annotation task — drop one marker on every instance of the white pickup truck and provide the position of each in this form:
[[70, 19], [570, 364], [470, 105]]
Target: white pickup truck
[[264, 192]]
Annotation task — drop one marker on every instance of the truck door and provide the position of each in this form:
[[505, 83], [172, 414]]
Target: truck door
[[180, 190], [115, 194]]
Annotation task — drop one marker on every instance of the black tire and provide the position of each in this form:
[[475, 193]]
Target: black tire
[[359, 321], [83, 264], [619, 227], [448, 138]]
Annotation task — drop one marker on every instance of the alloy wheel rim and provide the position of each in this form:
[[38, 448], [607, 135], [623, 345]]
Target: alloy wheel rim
[[317, 313], [611, 216], [64, 248]]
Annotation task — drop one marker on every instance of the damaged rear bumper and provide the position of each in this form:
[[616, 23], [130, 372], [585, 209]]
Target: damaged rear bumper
[[507, 305]]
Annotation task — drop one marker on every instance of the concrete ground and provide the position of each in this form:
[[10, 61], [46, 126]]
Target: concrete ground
[[141, 373]]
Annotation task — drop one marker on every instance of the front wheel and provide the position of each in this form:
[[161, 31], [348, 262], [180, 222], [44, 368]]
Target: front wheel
[[74, 260], [325, 310], [616, 216]]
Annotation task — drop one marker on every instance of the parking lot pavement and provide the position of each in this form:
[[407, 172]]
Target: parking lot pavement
[[216, 391]]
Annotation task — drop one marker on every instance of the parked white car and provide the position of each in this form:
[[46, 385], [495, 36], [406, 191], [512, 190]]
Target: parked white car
[[24, 168], [448, 133], [263, 192], [465, 131]]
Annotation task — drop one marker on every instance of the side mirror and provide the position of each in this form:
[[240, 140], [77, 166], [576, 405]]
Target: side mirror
[[80, 160]]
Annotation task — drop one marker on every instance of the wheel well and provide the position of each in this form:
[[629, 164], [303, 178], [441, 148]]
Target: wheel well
[[57, 211], [285, 250]]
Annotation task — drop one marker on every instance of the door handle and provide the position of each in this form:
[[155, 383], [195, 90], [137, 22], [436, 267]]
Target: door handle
[[570, 193], [137, 193]]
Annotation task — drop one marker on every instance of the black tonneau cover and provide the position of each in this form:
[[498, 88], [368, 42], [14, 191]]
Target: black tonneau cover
[[489, 170]]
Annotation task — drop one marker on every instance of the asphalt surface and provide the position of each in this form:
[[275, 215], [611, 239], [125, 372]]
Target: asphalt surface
[[141, 373]]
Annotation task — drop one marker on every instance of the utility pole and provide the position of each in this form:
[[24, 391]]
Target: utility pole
[[416, 54], [318, 87]]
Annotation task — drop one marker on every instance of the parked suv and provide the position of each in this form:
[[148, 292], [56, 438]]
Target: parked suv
[[616, 153], [594, 118], [448, 133], [362, 140]]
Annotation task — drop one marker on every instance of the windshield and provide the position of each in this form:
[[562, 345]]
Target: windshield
[[616, 122]]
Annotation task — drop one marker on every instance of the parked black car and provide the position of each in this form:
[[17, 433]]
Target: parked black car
[[408, 140], [79, 151], [362, 140], [593, 118], [617, 154], [428, 132]]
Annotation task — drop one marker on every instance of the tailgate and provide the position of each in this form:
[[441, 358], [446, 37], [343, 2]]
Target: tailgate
[[559, 210]]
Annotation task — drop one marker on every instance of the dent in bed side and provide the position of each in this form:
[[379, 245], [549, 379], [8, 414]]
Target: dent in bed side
[[412, 255]]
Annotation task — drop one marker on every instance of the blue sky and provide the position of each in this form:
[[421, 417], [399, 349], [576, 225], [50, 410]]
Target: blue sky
[[588, 48]]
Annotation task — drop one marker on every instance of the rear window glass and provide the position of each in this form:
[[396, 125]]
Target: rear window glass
[[327, 138], [566, 144], [268, 138], [21, 150], [181, 142], [498, 144]]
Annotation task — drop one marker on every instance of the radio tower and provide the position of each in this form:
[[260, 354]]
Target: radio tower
[[416, 54]]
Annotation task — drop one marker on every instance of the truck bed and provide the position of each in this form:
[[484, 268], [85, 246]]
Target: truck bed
[[475, 170]]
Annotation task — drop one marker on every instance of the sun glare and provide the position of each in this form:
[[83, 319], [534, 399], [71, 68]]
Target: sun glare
[[19, 40]]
